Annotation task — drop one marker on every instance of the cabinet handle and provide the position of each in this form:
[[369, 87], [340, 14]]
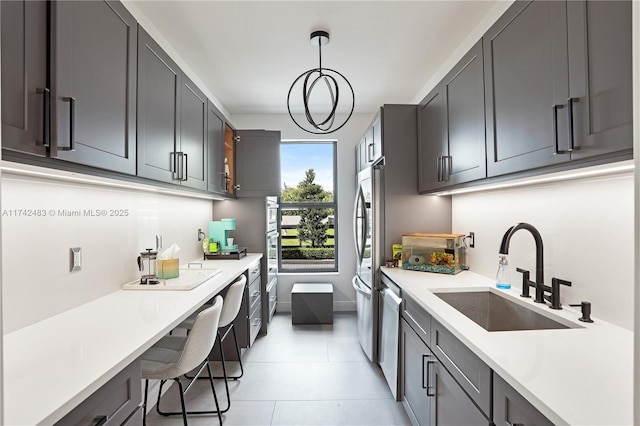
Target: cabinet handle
[[425, 383], [101, 420], [72, 124], [185, 167], [446, 168], [429, 363], [556, 149], [46, 116], [439, 168], [172, 165], [572, 146], [369, 152]]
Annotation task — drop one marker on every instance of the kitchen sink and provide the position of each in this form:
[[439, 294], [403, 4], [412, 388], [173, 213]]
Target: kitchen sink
[[497, 313]]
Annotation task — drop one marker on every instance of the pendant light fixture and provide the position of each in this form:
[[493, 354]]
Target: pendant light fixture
[[331, 80]]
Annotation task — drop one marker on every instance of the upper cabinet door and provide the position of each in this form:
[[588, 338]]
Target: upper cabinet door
[[193, 156], [24, 76], [257, 163], [431, 122], [215, 139], [94, 84], [463, 89], [376, 148], [525, 54], [158, 111], [600, 77]]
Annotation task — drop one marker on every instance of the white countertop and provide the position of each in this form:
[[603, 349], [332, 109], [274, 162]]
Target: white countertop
[[580, 376], [52, 366]]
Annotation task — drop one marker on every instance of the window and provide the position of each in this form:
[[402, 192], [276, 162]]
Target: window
[[308, 208]]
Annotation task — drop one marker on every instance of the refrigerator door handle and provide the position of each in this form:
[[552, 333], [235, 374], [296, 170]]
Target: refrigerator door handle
[[359, 288], [359, 244]]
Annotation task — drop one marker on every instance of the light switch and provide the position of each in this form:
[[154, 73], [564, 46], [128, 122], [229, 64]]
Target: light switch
[[76, 258]]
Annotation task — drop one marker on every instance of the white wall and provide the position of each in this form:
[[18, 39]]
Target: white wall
[[587, 229], [347, 137], [37, 282]]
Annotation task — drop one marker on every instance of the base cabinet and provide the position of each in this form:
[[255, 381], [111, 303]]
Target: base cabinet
[[114, 404], [510, 408], [430, 394]]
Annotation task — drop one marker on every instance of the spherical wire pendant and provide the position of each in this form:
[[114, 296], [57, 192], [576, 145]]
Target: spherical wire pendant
[[317, 78]]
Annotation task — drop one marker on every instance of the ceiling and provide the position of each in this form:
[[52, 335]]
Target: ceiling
[[248, 53]]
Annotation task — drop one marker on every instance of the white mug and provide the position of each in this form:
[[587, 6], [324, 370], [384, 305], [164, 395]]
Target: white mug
[[229, 241]]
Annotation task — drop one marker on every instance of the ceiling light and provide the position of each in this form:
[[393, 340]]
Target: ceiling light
[[331, 80]]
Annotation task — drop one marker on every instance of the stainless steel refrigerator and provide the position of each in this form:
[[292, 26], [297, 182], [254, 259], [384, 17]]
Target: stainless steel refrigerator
[[388, 205]]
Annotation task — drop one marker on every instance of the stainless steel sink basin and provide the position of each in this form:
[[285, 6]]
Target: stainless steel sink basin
[[496, 313]]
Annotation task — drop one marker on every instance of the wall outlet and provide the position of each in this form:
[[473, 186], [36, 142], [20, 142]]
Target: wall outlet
[[76, 259]]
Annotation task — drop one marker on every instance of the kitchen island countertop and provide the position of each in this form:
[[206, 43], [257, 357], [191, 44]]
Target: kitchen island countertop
[[52, 366], [578, 376]]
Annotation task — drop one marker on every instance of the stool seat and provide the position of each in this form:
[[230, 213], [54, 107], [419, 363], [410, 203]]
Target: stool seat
[[312, 303]]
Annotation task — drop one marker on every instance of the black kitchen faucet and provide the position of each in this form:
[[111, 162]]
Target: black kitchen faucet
[[541, 288]]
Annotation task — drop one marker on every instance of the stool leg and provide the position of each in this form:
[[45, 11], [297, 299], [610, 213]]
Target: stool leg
[[235, 339], [144, 404], [159, 395], [224, 373], [215, 396], [184, 409]]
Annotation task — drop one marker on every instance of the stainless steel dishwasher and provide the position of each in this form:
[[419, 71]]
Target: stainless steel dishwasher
[[389, 333]]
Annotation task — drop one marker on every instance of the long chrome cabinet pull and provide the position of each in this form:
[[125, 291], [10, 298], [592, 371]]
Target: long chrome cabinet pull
[[446, 168], [46, 116], [556, 148], [72, 124], [439, 168], [572, 146]]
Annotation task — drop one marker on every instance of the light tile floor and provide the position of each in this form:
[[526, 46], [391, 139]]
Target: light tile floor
[[298, 375]]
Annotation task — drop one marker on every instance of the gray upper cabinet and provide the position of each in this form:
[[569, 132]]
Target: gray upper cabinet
[[558, 84], [464, 143], [172, 120], [374, 141], [452, 127], [193, 153], [525, 56], [600, 77], [158, 111], [24, 76], [257, 163], [93, 72], [215, 138], [431, 120]]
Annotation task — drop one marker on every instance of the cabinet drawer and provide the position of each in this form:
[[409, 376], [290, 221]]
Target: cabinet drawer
[[471, 373], [113, 403], [254, 292], [254, 271], [416, 317], [255, 322], [272, 291]]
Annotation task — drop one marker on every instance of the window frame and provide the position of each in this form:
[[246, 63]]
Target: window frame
[[282, 205]]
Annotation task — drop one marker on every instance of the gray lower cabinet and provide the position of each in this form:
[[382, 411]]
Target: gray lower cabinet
[[114, 404], [215, 140], [93, 76], [172, 120], [451, 127], [25, 96], [510, 408], [257, 163], [414, 355]]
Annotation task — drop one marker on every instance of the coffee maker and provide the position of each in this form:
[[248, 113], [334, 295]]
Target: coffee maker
[[219, 231], [149, 274]]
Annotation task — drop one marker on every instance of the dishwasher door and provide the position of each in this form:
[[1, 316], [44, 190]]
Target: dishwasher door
[[389, 339]]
